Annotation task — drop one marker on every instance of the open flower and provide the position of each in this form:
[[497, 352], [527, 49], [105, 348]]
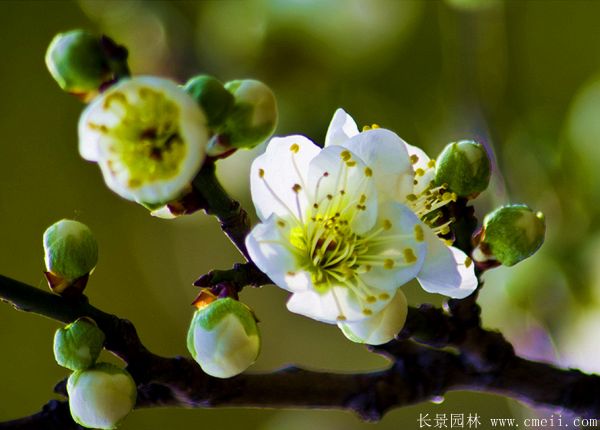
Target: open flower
[[341, 227], [148, 136], [447, 270]]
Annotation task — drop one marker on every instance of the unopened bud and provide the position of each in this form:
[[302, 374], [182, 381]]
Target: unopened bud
[[465, 167], [102, 396], [79, 63], [511, 234], [223, 338], [71, 253], [253, 117], [381, 327], [211, 96], [78, 345]]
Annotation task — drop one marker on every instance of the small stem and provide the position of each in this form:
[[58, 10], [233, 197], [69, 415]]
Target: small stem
[[233, 219], [240, 276]]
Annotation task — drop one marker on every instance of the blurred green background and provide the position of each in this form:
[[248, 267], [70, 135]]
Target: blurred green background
[[521, 76]]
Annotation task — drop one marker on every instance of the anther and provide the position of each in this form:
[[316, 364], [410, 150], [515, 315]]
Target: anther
[[409, 255], [295, 148], [419, 234]]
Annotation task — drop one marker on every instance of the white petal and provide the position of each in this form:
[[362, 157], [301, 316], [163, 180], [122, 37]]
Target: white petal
[[402, 241], [423, 163], [274, 174], [269, 247], [385, 153], [163, 212], [327, 306], [380, 328], [447, 270], [341, 128], [338, 173]]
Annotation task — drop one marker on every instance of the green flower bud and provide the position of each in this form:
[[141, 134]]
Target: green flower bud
[[101, 397], [465, 167], [71, 253], [78, 63], [512, 233], [253, 117], [223, 338], [78, 345], [213, 98]]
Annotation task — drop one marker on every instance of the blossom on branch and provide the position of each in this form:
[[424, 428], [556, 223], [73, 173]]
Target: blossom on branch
[[148, 136], [343, 227]]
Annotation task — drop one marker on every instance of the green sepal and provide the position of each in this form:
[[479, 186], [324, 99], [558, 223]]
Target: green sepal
[[212, 97], [513, 233], [464, 167], [78, 345]]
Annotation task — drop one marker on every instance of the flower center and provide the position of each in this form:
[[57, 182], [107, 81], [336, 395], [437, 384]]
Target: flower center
[[329, 249], [146, 139]]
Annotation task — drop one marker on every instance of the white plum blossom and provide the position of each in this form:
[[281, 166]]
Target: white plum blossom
[[447, 270], [343, 227], [148, 136]]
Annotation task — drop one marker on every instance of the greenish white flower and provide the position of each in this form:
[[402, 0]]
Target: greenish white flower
[[511, 234], [102, 396], [148, 136], [465, 167], [223, 338], [70, 253], [342, 228], [78, 345]]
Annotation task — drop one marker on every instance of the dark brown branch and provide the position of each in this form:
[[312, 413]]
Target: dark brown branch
[[481, 361], [54, 415], [240, 276]]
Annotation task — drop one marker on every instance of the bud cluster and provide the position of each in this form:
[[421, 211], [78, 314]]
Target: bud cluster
[[150, 136], [101, 395]]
